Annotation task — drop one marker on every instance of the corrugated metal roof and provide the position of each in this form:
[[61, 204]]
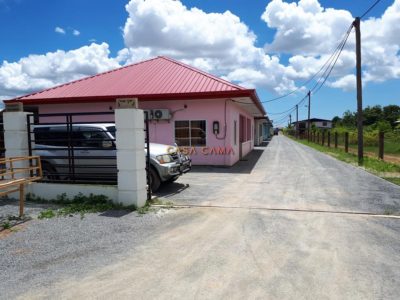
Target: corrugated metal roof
[[160, 75], [154, 79]]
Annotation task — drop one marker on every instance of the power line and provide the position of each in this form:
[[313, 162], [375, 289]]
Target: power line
[[369, 9], [315, 89], [312, 77]]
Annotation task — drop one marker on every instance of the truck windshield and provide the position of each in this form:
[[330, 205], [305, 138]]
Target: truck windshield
[[111, 130]]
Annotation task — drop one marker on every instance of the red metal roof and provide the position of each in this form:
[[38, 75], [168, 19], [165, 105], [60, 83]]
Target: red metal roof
[[156, 79]]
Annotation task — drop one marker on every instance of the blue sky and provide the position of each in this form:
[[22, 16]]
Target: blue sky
[[28, 27]]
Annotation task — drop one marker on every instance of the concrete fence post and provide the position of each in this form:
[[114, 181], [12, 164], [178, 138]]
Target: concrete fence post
[[16, 137], [323, 138], [131, 158]]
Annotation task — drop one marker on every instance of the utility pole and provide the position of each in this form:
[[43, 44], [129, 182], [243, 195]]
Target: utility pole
[[290, 120], [309, 110], [356, 25], [297, 121]]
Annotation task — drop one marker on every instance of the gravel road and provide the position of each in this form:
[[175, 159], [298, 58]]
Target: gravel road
[[240, 248]]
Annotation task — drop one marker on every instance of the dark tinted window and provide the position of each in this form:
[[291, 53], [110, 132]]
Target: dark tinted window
[[56, 136]]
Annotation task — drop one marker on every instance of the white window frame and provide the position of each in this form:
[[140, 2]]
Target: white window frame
[[190, 132]]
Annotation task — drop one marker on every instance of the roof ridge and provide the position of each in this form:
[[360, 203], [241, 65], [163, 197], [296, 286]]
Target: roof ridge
[[85, 78], [202, 72]]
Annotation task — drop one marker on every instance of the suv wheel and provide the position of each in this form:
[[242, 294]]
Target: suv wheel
[[155, 180], [48, 171]]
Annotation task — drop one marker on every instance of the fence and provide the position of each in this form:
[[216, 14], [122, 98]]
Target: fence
[[78, 147], [385, 146]]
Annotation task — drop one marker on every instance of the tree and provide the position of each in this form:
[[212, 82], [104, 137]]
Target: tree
[[349, 119], [336, 121], [391, 113], [372, 115]]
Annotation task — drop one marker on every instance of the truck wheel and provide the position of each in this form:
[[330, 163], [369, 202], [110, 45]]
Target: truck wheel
[[155, 180], [48, 171]]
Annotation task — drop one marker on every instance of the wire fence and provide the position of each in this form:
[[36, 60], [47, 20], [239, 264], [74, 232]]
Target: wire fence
[[382, 145]]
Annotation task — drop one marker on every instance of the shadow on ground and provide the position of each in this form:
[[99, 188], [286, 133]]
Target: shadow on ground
[[244, 166], [171, 189]]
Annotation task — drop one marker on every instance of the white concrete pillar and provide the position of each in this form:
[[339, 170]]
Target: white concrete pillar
[[16, 137], [131, 159]]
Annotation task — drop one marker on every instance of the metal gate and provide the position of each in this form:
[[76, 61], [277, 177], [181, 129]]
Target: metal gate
[[78, 147]]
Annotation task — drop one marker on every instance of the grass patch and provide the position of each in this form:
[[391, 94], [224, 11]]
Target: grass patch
[[394, 180], [81, 204], [373, 165], [6, 225]]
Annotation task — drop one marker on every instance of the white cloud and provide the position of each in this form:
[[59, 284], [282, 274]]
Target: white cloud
[[215, 42], [222, 44], [59, 30], [311, 33], [76, 32], [37, 72], [347, 82]]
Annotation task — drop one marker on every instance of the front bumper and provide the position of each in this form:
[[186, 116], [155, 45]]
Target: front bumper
[[168, 171]]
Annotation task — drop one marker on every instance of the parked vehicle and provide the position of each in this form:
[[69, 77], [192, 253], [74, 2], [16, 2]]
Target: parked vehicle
[[94, 154], [276, 131]]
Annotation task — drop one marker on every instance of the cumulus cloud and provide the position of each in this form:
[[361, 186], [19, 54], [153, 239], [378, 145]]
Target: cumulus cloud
[[310, 32], [215, 42], [222, 44], [37, 72], [59, 30]]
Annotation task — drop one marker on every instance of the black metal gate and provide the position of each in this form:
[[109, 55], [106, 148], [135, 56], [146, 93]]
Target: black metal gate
[[78, 147]]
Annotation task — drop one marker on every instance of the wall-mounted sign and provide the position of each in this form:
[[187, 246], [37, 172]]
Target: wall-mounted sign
[[127, 103]]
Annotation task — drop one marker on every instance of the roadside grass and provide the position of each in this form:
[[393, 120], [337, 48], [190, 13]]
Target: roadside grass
[[390, 148], [8, 222], [82, 205], [395, 180], [373, 165]]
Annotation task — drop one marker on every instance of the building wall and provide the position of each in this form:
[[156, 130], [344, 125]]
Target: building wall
[[320, 124], [163, 131]]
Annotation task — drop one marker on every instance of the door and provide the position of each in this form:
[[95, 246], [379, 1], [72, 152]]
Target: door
[[242, 130]]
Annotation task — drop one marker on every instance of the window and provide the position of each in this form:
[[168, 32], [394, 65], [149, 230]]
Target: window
[[324, 123], [89, 137], [57, 136], [190, 133]]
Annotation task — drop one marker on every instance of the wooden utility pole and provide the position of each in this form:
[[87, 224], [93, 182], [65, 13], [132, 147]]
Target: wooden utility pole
[[359, 93], [309, 110], [297, 120]]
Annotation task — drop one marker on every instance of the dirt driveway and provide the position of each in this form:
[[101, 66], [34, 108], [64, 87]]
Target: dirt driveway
[[277, 230]]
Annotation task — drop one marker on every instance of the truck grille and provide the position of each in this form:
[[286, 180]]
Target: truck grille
[[175, 156]]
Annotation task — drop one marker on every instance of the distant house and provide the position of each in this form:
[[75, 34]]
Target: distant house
[[318, 123]]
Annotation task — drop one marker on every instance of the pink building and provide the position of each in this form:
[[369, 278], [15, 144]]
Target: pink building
[[208, 117]]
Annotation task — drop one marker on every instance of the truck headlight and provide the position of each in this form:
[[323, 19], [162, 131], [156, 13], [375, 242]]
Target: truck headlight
[[164, 159]]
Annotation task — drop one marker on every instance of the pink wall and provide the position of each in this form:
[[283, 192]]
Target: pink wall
[[163, 131]]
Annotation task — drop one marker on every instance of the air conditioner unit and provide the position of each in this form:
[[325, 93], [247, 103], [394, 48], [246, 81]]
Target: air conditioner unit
[[161, 114]]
